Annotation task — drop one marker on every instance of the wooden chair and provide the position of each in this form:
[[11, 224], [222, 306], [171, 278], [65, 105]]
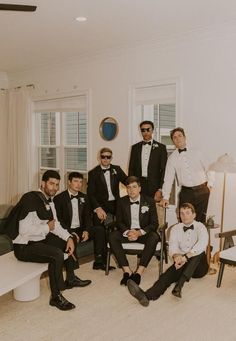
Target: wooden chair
[[228, 254]]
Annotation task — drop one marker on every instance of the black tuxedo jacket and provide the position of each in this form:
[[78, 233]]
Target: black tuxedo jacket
[[156, 165], [97, 187], [147, 214], [63, 207]]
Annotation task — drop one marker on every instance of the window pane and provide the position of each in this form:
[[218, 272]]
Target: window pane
[[48, 128], [75, 128], [167, 116], [48, 157], [76, 158]]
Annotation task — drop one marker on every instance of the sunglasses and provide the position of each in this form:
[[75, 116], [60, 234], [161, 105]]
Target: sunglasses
[[108, 157], [143, 130]]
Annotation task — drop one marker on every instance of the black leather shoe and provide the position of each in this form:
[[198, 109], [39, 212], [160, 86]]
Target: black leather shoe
[[101, 266], [136, 278], [125, 278], [137, 293], [177, 291], [61, 303], [77, 282]]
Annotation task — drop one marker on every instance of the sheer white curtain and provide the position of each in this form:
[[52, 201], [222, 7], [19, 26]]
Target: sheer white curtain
[[19, 141], [3, 144]]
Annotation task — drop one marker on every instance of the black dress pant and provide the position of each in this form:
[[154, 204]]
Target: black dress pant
[[196, 267], [150, 241], [49, 250], [198, 196]]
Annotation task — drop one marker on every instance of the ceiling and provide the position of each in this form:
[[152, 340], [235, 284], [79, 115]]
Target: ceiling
[[51, 34]]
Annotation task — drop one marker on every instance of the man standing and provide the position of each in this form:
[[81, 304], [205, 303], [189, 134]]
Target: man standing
[[103, 192], [187, 246], [39, 237], [73, 210], [136, 222], [148, 161], [190, 169]]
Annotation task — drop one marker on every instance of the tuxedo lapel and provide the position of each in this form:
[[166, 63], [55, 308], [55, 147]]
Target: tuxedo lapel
[[112, 178], [80, 205], [69, 206], [127, 210]]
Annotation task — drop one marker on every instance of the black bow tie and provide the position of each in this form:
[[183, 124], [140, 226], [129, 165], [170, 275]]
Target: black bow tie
[[144, 143], [49, 200], [186, 228], [74, 196], [134, 202], [182, 150], [106, 170]]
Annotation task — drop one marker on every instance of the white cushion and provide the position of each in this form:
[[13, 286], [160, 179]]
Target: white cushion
[[229, 254], [136, 246]]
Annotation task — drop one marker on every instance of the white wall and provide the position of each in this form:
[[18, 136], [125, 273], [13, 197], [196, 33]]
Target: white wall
[[203, 61]]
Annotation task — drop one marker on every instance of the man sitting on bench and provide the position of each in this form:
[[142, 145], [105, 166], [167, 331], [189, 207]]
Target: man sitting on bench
[[39, 237]]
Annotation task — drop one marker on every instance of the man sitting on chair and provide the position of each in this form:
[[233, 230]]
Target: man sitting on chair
[[136, 222], [187, 246]]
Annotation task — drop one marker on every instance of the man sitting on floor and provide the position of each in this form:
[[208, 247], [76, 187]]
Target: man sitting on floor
[[187, 246], [136, 222]]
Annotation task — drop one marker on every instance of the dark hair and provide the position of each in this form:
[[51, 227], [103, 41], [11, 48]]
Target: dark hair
[[75, 175], [132, 179], [187, 205], [147, 122], [181, 130], [50, 174], [105, 150]]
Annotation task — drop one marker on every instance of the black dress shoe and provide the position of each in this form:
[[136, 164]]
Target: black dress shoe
[[137, 293], [125, 278], [136, 278], [61, 303], [101, 266], [177, 291], [77, 282]]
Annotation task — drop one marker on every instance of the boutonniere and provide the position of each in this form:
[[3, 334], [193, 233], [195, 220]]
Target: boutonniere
[[82, 200], [113, 172], [155, 145], [47, 206], [144, 209]]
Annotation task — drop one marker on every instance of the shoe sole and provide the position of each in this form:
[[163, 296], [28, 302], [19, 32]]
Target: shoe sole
[[135, 292], [67, 309]]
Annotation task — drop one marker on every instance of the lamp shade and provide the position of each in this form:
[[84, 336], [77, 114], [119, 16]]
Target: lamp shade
[[224, 164]]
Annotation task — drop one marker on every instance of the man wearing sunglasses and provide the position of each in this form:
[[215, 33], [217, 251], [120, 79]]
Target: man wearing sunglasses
[[103, 192], [148, 161]]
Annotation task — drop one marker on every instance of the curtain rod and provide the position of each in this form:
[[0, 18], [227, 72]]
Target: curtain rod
[[19, 87]]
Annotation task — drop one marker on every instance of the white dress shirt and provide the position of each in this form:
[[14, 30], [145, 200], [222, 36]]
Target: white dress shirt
[[31, 228], [189, 167], [75, 222], [134, 211], [145, 155], [194, 241], [107, 176]]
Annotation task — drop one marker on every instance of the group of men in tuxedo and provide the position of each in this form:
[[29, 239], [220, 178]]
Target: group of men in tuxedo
[[57, 224]]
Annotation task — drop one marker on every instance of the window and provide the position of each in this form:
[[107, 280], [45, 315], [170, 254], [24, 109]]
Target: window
[[62, 138]]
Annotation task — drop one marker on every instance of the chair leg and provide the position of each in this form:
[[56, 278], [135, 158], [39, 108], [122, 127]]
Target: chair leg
[[220, 275], [161, 263], [108, 261], [165, 253]]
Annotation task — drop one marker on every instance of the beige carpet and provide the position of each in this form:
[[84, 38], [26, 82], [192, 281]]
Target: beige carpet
[[106, 311]]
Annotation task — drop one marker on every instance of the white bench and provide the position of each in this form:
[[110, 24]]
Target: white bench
[[22, 277]]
